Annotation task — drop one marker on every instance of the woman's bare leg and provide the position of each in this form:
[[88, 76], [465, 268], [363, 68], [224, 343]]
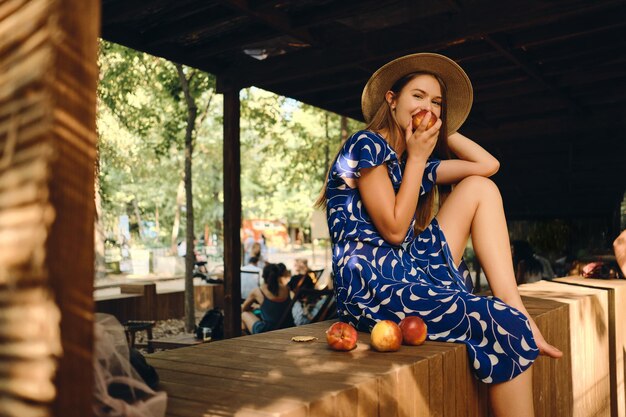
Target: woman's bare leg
[[249, 319], [475, 206], [513, 398]]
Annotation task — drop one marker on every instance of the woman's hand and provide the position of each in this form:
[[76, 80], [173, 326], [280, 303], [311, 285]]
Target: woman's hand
[[420, 144], [545, 348]]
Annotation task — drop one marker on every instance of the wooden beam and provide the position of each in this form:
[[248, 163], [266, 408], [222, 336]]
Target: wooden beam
[[273, 18], [438, 32], [574, 28], [114, 11], [581, 50], [335, 11], [210, 19], [206, 50], [232, 212], [171, 52], [529, 68]]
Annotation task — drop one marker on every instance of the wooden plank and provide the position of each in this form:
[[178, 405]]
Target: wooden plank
[[193, 404], [587, 352], [230, 383], [617, 335], [173, 342], [302, 380]]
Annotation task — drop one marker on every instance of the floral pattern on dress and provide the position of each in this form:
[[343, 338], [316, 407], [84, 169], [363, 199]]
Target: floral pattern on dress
[[375, 280]]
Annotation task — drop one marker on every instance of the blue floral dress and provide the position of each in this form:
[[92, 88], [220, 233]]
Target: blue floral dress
[[375, 280]]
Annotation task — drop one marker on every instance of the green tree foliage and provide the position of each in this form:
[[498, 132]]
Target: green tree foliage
[[286, 146], [141, 122]]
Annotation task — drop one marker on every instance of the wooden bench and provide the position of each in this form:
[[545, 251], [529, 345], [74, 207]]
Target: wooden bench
[[174, 342], [142, 301], [269, 375]]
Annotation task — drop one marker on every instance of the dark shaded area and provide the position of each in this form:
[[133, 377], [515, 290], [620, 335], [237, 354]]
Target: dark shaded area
[[550, 89]]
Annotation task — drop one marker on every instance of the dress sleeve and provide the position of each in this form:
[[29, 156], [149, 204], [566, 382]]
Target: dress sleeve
[[430, 175], [364, 149]]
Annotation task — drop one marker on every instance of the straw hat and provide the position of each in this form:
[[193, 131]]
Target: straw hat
[[459, 97]]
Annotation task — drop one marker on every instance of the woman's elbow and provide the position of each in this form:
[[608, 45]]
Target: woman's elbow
[[492, 167], [394, 238]]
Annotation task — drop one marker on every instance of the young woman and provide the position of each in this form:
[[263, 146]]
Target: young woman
[[392, 259], [272, 297]]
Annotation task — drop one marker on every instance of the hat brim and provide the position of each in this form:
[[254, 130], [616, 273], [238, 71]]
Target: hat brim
[[459, 88]]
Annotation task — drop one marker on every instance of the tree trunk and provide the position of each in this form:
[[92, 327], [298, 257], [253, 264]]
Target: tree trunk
[[138, 217], [344, 128], [100, 265], [192, 112], [180, 193]]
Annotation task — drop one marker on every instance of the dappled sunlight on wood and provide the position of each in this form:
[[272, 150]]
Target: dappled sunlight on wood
[[269, 374]]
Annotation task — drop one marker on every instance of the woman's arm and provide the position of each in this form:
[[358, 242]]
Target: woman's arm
[[392, 213], [473, 160], [252, 297]]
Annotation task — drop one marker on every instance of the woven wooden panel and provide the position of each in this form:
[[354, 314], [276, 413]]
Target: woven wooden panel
[[29, 319], [588, 350], [47, 151], [616, 290]]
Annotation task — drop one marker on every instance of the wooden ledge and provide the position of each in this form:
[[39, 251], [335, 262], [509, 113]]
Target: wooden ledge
[[269, 375]]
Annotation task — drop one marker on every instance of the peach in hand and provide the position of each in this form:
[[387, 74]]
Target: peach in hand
[[417, 119]]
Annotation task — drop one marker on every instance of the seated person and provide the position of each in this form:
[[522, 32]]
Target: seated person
[[250, 275], [528, 266], [305, 307], [302, 275], [273, 299]]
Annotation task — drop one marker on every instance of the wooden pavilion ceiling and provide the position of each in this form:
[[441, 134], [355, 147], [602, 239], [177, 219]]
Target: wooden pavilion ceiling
[[549, 76]]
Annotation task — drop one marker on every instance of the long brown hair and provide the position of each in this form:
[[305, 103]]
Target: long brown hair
[[383, 120], [271, 275]]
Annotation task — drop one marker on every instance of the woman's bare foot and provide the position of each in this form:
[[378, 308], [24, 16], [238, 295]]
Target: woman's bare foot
[[545, 348]]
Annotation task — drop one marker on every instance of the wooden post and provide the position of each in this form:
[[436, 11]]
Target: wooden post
[[48, 153], [232, 212], [70, 246]]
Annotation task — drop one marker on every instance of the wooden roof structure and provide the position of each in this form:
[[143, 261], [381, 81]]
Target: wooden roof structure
[[549, 78]]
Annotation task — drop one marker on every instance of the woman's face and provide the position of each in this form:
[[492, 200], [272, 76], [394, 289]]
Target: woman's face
[[421, 93], [299, 267]]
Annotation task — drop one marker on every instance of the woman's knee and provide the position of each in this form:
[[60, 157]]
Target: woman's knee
[[478, 186]]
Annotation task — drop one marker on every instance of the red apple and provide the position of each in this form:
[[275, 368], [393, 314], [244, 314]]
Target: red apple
[[341, 336], [417, 119], [386, 336], [413, 330]]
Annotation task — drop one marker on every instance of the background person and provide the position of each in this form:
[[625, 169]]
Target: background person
[[273, 299], [529, 267]]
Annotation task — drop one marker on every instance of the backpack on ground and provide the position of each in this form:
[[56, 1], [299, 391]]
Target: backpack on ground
[[211, 325]]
